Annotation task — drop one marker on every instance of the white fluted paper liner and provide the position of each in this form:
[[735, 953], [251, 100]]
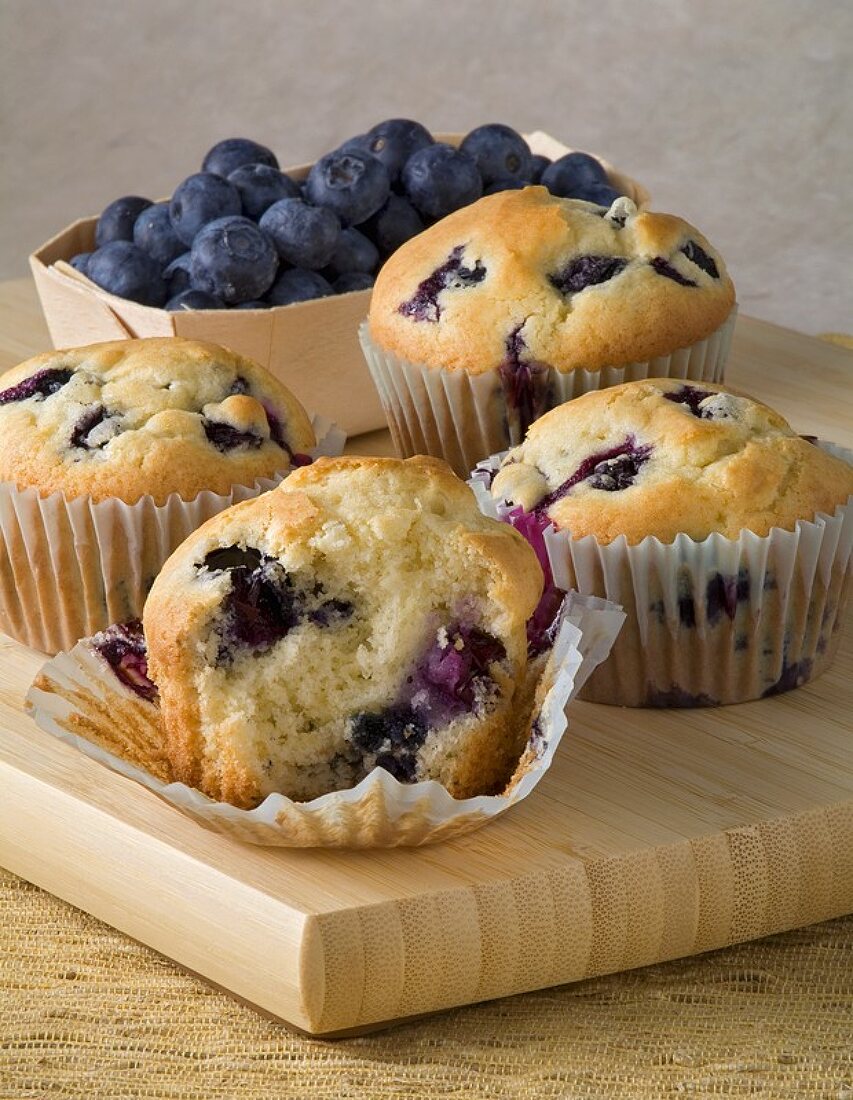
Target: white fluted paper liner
[[463, 417], [714, 621], [77, 698], [69, 568]]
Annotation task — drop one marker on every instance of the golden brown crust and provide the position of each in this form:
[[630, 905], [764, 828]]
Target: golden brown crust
[[153, 397], [522, 238], [733, 464]]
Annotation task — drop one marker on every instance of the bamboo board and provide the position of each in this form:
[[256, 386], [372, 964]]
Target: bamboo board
[[655, 834]]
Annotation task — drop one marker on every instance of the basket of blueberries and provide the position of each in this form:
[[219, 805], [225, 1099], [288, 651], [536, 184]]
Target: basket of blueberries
[[278, 264]]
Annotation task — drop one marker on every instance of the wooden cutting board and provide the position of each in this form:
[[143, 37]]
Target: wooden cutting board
[[655, 834]]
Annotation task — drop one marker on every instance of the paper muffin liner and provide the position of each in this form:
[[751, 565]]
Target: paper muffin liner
[[71, 567], [464, 417], [715, 621], [77, 697]]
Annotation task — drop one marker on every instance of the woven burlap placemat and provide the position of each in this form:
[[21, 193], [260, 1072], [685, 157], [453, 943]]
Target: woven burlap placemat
[[86, 1012]]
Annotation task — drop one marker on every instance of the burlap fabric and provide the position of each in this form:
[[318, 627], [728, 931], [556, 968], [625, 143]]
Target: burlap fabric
[[86, 1012]]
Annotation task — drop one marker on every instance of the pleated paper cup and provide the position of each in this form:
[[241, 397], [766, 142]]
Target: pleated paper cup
[[71, 567], [78, 698], [709, 622], [464, 417]]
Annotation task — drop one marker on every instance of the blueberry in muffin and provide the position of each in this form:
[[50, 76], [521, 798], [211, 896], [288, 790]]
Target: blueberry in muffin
[[525, 300], [140, 418], [111, 455], [696, 508], [364, 614]]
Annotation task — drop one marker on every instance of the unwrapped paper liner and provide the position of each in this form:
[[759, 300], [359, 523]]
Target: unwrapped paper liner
[[71, 567], [462, 417], [76, 693], [721, 620]]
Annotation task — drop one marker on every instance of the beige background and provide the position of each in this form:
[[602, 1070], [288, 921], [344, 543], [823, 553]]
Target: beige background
[[736, 115]]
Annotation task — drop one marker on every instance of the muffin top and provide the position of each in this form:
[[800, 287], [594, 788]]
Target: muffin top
[[525, 277], [661, 457], [146, 417]]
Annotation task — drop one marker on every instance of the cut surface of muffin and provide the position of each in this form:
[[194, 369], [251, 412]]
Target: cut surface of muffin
[[364, 613]]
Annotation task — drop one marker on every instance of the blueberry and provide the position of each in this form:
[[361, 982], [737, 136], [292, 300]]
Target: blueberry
[[94, 415], [225, 437], [614, 474], [125, 270], [177, 274], [691, 396], [80, 262], [393, 142], [260, 186], [440, 179], [499, 152], [584, 271], [395, 735], [664, 267], [260, 609], [123, 648], [253, 304], [330, 612], [116, 222], [193, 299], [697, 255], [504, 184], [678, 696], [611, 470], [233, 153], [353, 280], [524, 382], [154, 233], [453, 274], [234, 259], [792, 676], [200, 199], [298, 285], [602, 194], [352, 184], [571, 173], [396, 223], [43, 383], [724, 593], [538, 164], [304, 235], [233, 557], [353, 252], [454, 670]]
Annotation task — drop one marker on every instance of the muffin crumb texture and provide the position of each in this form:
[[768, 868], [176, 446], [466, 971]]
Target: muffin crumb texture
[[362, 614]]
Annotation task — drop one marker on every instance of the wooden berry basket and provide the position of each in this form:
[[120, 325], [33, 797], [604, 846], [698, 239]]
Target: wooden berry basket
[[311, 346], [656, 833]]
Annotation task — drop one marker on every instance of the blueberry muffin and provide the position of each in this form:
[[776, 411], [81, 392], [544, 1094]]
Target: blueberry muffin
[[523, 300], [110, 456], [696, 508], [138, 418], [362, 614]]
